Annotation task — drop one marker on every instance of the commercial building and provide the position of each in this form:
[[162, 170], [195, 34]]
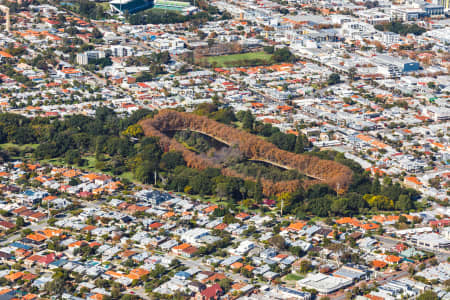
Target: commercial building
[[394, 67], [324, 284], [432, 241], [352, 272]]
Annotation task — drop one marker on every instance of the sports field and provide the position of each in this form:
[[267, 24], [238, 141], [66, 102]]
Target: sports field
[[241, 60]]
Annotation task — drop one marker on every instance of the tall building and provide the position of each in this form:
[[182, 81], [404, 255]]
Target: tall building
[[444, 3], [84, 58]]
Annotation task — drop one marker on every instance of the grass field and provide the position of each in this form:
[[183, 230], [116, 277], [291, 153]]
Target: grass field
[[293, 276], [19, 147], [241, 60], [105, 5]]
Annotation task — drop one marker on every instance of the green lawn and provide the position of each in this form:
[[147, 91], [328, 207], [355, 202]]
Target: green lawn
[[292, 276], [59, 161], [19, 147], [241, 60], [105, 5]]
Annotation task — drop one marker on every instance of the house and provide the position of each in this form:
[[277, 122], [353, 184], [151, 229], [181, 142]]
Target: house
[[242, 216], [412, 182], [196, 286], [378, 264], [392, 259], [210, 293], [295, 227], [37, 217], [5, 225], [178, 249], [5, 256], [190, 251]]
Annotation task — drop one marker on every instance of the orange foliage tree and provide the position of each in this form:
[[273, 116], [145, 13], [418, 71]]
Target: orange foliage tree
[[336, 175]]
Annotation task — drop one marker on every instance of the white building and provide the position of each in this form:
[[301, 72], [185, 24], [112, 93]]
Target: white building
[[357, 30], [432, 241], [324, 284], [84, 58], [193, 236]]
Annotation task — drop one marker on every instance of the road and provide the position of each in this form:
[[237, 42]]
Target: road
[[16, 236]]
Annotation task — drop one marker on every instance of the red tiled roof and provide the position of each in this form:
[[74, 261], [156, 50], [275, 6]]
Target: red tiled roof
[[212, 291]]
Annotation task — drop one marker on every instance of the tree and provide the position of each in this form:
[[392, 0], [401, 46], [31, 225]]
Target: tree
[[20, 222], [411, 270], [201, 184], [305, 266], [221, 190], [269, 49], [172, 159], [225, 116], [145, 171], [278, 241], [404, 203], [428, 295], [422, 267], [73, 156], [55, 286], [334, 79], [115, 293], [247, 120], [376, 187], [158, 271], [225, 284], [96, 33], [74, 181], [284, 201], [257, 195], [300, 143], [379, 202], [144, 76], [352, 73], [283, 55], [134, 131], [434, 262]]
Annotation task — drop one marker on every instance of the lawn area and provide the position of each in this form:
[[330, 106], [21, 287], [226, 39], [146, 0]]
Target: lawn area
[[104, 5], [241, 60], [19, 147], [54, 161], [292, 276]]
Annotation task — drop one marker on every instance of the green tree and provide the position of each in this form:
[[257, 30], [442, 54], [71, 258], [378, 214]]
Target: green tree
[[283, 55], [404, 203], [20, 222], [145, 172], [248, 120], [305, 266], [352, 73], [172, 159], [278, 241], [428, 295], [73, 156], [225, 284], [333, 79], [55, 287]]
